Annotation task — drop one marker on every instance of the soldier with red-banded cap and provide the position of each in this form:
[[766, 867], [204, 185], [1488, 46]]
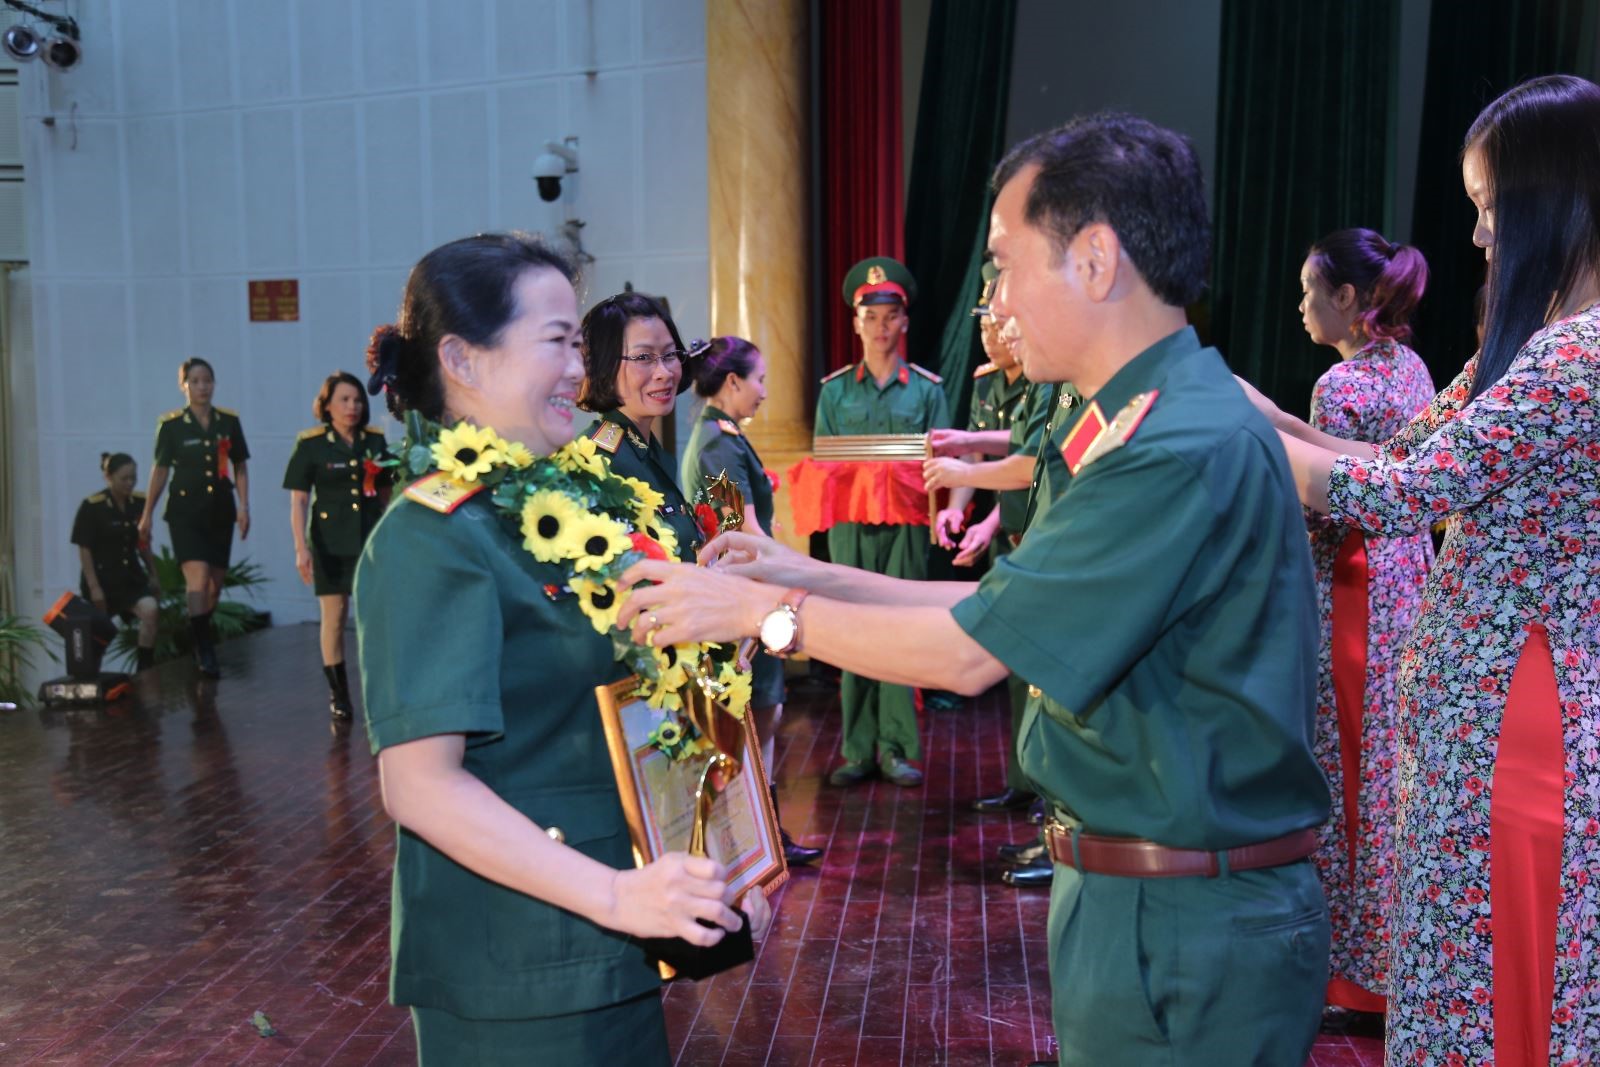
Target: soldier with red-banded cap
[[880, 394]]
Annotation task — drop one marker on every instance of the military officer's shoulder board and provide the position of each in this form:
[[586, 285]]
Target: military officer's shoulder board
[[729, 426], [442, 493], [138, 496], [232, 414], [169, 416], [97, 498], [608, 437], [928, 374], [376, 431], [826, 378], [987, 368], [1093, 436], [315, 431]]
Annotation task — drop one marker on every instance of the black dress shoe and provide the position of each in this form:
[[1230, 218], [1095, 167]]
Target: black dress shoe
[[1036, 813], [1022, 853], [797, 855], [1007, 799], [1035, 875]]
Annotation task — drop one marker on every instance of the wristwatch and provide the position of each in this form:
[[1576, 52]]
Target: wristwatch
[[780, 628]]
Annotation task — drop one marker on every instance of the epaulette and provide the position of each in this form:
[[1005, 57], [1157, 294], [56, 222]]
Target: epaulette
[[928, 374], [826, 378], [136, 495], [729, 426], [442, 493], [987, 368], [169, 416], [1093, 436], [97, 498], [375, 430], [226, 411], [608, 437], [315, 431]]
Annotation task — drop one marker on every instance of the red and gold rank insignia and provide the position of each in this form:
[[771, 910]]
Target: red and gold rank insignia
[[1093, 436], [441, 492], [608, 437], [729, 426]]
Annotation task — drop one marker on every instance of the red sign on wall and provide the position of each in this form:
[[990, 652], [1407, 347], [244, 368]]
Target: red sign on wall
[[276, 300]]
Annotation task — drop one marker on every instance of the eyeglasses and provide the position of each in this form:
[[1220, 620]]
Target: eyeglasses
[[665, 359]]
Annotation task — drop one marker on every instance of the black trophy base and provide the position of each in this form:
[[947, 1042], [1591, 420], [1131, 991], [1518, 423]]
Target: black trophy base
[[78, 692], [696, 963]]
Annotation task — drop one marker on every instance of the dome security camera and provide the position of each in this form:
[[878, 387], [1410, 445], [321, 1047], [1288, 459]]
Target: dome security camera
[[20, 42], [559, 159]]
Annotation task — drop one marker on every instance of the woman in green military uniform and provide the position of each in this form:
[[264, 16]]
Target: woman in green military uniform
[[517, 906], [633, 372], [334, 476], [202, 450], [119, 573], [730, 375]]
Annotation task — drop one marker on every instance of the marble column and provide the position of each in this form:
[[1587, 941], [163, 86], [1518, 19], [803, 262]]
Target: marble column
[[757, 106]]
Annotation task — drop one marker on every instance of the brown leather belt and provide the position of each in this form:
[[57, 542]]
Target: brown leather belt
[[1134, 857]]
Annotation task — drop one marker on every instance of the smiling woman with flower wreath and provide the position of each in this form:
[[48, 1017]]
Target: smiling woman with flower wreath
[[484, 600]]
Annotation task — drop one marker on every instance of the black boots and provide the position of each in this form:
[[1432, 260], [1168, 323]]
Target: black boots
[[339, 705], [205, 653], [796, 855], [146, 659]]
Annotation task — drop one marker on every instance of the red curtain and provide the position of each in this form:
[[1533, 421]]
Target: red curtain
[[862, 186]]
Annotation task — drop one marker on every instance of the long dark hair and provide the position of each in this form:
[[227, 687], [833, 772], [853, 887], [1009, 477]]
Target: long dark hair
[[1388, 279], [722, 357], [603, 330], [1539, 144], [466, 288]]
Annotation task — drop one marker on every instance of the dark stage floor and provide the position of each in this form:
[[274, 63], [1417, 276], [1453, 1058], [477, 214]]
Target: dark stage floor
[[205, 851]]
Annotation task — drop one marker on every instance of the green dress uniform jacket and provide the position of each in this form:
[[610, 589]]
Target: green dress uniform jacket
[[346, 498], [718, 446], [1162, 606], [200, 509], [111, 534], [631, 455], [458, 635], [880, 718], [995, 402]]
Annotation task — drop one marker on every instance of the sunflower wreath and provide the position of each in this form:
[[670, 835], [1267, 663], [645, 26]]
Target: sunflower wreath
[[574, 511]]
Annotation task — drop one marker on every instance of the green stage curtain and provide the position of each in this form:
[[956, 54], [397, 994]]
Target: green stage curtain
[[1477, 49], [960, 136], [1304, 146]]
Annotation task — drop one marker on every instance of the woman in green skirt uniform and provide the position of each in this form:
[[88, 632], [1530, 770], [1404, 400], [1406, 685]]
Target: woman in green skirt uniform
[[334, 476], [202, 450], [730, 375], [517, 906], [119, 573], [633, 365]]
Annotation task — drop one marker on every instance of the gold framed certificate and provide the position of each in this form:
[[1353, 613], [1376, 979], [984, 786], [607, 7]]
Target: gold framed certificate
[[662, 797]]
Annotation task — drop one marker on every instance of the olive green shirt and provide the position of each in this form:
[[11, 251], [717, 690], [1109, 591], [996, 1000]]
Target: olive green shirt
[[634, 457], [852, 402], [195, 457], [458, 635], [718, 446], [346, 498], [1163, 603]]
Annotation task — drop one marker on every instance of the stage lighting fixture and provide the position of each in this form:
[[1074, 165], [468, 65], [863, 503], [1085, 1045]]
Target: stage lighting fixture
[[86, 631], [20, 43], [62, 53]]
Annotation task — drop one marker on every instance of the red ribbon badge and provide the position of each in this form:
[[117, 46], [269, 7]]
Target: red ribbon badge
[[706, 518], [772, 478], [224, 446], [369, 482]]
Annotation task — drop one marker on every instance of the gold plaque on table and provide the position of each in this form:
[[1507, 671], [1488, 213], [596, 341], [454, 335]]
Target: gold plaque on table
[[880, 448]]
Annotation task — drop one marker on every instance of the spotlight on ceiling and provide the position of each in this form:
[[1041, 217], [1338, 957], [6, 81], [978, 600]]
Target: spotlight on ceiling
[[62, 53], [20, 42]]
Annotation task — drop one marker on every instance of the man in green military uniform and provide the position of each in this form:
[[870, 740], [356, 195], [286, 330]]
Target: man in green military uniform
[[1160, 605], [880, 394]]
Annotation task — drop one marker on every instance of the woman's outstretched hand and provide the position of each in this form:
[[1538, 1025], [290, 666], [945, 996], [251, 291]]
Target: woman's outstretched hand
[[666, 896], [1260, 401], [760, 558], [685, 603]]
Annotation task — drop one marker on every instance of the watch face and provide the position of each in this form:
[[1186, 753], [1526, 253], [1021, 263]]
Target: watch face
[[777, 630]]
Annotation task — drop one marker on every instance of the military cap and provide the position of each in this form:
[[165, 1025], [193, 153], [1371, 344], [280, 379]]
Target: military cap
[[879, 280], [990, 275]]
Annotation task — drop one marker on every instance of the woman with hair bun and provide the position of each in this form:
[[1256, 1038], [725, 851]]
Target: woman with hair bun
[[1497, 796], [1359, 291], [119, 573], [730, 375], [337, 488], [518, 913]]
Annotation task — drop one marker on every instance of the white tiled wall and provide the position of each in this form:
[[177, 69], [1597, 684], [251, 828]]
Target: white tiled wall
[[202, 143]]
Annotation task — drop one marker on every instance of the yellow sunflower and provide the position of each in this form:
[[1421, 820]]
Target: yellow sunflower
[[551, 523], [736, 697], [670, 675], [600, 601], [467, 451], [645, 501], [597, 541], [517, 454], [663, 536], [580, 455], [667, 733]]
